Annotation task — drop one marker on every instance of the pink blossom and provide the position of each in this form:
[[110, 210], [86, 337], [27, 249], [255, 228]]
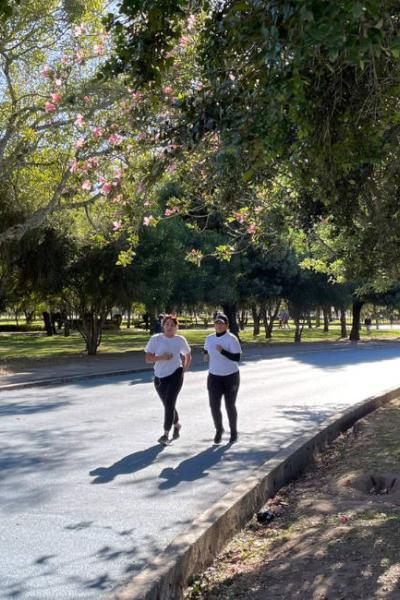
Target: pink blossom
[[146, 203], [65, 60], [45, 71], [148, 220], [115, 139], [86, 185], [232, 77], [79, 57], [80, 121], [184, 41], [80, 143], [86, 99], [118, 173], [92, 162], [251, 229], [56, 97], [136, 95], [99, 49], [80, 30], [171, 168], [344, 518], [73, 165], [58, 82], [168, 212], [49, 107], [141, 137], [239, 217], [98, 132], [167, 90], [106, 188], [191, 22], [102, 179], [117, 225]]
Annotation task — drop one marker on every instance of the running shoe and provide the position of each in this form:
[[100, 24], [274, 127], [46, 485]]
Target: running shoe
[[164, 440], [176, 434], [218, 437]]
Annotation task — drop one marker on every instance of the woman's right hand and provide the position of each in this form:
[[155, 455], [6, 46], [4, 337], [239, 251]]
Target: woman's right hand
[[166, 356]]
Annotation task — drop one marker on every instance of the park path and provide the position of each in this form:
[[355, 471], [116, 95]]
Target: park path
[[88, 497]]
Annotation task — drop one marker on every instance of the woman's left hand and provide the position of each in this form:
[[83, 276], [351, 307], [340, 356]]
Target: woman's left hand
[[218, 347]]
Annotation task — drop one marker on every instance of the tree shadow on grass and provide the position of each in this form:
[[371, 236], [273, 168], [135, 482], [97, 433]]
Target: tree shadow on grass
[[127, 465]]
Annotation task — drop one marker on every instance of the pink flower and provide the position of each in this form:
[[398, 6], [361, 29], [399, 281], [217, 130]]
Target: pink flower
[[251, 229], [168, 212], [79, 57], [115, 139], [49, 107], [86, 99], [79, 30], [148, 220], [136, 95], [65, 60], [167, 90], [141, 137], [232, 77], [73, 166], [80, 121], [80, 143], [239, 217], [58, 82], [117, 225], [99, 49], [45, 71], [184, 41], [146, 203], [86, 185], [56, 97], [118, 173], [98, 132], [106, 188], [344, 518]]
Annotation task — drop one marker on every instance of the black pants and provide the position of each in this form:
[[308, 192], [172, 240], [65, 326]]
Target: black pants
[[227, 386], [168, 389]]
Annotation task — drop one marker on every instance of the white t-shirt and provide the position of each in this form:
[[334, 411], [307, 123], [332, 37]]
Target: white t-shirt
[[218, 363], [176, 345]]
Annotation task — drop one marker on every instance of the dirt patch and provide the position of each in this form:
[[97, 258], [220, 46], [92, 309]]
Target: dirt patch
[[334, 533]]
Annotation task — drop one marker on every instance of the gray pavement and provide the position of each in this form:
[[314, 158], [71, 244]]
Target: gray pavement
[[88, 497]]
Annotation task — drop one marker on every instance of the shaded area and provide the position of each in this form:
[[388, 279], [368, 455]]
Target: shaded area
[[28, 408], [127, 465]]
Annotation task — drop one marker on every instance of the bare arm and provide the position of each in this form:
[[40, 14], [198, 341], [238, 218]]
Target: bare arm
[[187, 360]]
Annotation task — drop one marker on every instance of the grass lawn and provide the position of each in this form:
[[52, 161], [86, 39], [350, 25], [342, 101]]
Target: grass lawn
[[36, 345]]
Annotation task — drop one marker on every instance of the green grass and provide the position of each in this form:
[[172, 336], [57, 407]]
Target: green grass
[[36, 346]]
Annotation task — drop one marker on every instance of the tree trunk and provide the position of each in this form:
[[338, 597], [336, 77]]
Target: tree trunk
[[269, 323], [318, 317], [355, 327], [47, 323], [256, 320], [91, 331], [128, 324], [298, 330], [343, 328], [309, 323], [230, 311], [326, 312]]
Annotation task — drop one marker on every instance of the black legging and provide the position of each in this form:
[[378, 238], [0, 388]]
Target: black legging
[[227, 386], [168, 389]]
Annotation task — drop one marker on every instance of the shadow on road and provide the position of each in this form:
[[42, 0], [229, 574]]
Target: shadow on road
[[129, 464], [192, 468]]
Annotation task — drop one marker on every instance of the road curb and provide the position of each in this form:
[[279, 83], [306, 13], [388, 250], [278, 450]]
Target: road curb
[[194, 550], [69, 379]]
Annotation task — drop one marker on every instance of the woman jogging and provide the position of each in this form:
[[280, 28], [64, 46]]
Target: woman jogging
[[171, 356], [222, 349]]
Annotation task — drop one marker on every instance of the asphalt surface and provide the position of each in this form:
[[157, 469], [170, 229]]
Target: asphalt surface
[[88, 497]]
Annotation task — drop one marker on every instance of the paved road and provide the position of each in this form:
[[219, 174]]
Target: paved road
[[87, 496]]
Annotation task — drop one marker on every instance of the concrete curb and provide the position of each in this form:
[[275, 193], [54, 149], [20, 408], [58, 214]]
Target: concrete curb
[[69, 379], [194, 550]]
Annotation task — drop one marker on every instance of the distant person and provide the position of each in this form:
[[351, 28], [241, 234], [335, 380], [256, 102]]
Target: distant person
[[222, 350], [158, 324], [146, 320], [171, 356], [391, 320]]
